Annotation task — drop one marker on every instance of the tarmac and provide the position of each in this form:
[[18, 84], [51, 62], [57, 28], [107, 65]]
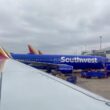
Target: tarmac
[[95, 85], [98, 86]]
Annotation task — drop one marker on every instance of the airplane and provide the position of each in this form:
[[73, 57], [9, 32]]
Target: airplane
[[63, 63], [23, 87]]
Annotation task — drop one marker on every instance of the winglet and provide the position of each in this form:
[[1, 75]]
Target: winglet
[[34, 51], [3, 54]]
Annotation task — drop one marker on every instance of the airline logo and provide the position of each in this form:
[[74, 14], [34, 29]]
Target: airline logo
[[78, 60]]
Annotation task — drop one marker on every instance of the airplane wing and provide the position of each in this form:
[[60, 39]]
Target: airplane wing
[[36, 64], [48, 66], [26, 88]]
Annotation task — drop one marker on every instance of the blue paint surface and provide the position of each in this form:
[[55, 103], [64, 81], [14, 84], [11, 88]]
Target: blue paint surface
[[78, 62]]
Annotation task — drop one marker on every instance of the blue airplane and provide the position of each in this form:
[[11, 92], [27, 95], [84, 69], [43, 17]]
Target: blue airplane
[[63, 63]]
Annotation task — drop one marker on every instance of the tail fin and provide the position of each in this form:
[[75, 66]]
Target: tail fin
[[34, 51], [3, 54]]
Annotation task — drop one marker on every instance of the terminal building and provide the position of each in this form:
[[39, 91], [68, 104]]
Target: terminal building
[[103, 52]]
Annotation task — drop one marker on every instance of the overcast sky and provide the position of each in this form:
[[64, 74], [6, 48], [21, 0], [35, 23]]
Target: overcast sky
[[54, 26]]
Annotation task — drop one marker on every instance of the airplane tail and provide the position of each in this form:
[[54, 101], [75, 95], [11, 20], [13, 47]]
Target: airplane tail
[[34, 51], [3, 54]]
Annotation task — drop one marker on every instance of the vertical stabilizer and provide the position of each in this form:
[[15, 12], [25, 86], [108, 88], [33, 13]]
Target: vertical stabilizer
[[3, 54], [34, 51]]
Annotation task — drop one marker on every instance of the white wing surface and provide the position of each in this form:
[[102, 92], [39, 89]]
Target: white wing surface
[[26, 88]]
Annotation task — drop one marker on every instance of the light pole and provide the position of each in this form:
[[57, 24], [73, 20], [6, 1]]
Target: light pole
[[100, 37]]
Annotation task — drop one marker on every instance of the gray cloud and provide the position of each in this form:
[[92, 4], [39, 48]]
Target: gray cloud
[[54, 26]]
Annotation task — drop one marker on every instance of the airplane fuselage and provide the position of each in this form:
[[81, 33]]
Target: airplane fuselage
[[77, 61]]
